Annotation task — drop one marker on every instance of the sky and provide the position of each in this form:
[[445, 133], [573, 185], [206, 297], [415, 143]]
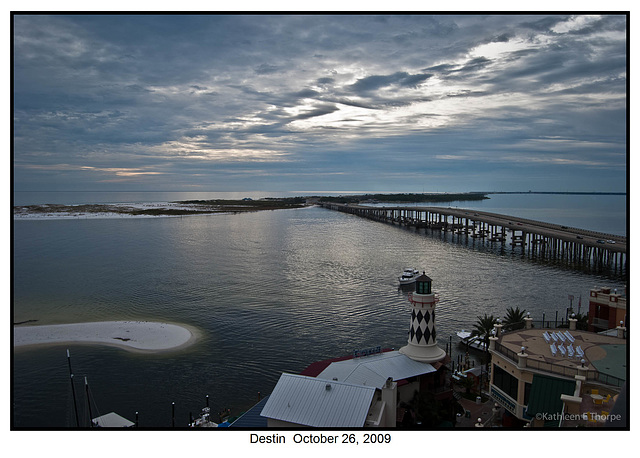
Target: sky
[[320, 103]]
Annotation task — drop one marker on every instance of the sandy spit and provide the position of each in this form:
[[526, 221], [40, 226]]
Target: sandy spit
[[145, 336]]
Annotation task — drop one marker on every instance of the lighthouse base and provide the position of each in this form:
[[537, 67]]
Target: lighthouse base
[[422, 353]]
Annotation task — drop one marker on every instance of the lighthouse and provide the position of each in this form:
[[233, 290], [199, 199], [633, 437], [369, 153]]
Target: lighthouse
[[421, 345]]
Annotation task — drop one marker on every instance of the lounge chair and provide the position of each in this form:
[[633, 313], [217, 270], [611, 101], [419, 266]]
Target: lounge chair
[[546, 337], [553, 349], [561, 336], [569, 336], [563, 352]]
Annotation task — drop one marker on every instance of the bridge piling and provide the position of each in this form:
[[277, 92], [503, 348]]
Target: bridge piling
[[575, 247]]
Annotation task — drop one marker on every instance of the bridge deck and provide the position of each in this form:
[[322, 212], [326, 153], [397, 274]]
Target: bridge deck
[[570, 242]]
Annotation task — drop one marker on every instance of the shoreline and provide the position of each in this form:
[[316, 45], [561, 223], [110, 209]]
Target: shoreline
[[137, 336]]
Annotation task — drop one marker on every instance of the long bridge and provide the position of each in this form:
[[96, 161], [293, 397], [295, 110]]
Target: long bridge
[[575, 246]]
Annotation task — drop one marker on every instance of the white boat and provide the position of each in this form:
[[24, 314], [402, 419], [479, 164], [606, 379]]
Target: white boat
[[204, 420], [470, 341], [408, 276]]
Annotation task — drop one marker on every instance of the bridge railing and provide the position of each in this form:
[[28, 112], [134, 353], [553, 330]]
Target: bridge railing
[[478, 213]]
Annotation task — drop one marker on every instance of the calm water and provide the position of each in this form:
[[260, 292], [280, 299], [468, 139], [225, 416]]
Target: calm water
[[270, 292]]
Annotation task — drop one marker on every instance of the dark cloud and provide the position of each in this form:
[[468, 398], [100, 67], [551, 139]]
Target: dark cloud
[[504, 38], [323, 81], [266, 69], [544, 24], [306, 93], [270, 95], [399, 79], [319, 110]]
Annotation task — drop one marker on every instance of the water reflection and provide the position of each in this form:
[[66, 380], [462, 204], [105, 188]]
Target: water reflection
[[270, 291]]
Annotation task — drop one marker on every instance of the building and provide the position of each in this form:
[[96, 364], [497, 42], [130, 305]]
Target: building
[[607, 309], [368, 388], [298, 400], [556, 377]]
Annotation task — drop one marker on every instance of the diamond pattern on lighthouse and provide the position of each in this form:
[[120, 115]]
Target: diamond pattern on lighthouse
[[422, 345], [430, 335], [419, 334]]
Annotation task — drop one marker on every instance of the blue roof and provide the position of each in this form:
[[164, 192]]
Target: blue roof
[[251, 419]]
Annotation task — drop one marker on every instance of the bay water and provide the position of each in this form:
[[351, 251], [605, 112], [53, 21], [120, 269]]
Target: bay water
[[269, 292]]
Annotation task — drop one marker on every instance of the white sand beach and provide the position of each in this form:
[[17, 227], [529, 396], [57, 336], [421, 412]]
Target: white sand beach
[[145, 336]]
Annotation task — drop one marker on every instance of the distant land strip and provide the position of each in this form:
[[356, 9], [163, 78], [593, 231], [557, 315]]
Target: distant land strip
[[195, 207], [575, 193], [402, 198], [170, 209]]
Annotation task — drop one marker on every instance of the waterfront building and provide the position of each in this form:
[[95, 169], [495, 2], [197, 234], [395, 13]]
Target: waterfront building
[[607, 309], [298, 400], [557, 376]]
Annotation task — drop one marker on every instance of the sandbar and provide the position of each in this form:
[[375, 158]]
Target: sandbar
[[144, 336]]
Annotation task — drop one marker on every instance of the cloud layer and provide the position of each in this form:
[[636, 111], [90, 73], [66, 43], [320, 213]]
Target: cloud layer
[[312, 102]]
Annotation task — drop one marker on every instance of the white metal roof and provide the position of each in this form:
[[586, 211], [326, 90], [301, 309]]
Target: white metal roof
[[374, 370], [307, 401], [112, 420]]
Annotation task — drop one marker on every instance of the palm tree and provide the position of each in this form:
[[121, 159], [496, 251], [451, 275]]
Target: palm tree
[[483, 328], [514, 319]]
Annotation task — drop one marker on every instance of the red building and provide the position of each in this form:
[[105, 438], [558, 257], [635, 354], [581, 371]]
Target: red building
[[606, 309]]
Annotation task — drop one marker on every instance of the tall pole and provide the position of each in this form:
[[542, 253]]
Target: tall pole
[[86, 387], [73, 390]]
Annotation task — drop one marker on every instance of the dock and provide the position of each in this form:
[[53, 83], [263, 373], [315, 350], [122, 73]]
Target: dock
[[579, 248]]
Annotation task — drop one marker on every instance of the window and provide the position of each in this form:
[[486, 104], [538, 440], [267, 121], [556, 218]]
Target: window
[[527, 392], [423, 287], [505, 381]]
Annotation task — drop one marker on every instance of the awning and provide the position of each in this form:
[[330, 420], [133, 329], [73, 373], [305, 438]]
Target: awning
[[544, 397]]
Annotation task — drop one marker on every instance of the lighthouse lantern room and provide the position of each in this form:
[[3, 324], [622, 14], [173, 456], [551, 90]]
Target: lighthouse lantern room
[[421, 344]]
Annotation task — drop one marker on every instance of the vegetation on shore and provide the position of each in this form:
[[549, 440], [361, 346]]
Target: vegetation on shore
[[407, 198], [249, 204], [185, 208]]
